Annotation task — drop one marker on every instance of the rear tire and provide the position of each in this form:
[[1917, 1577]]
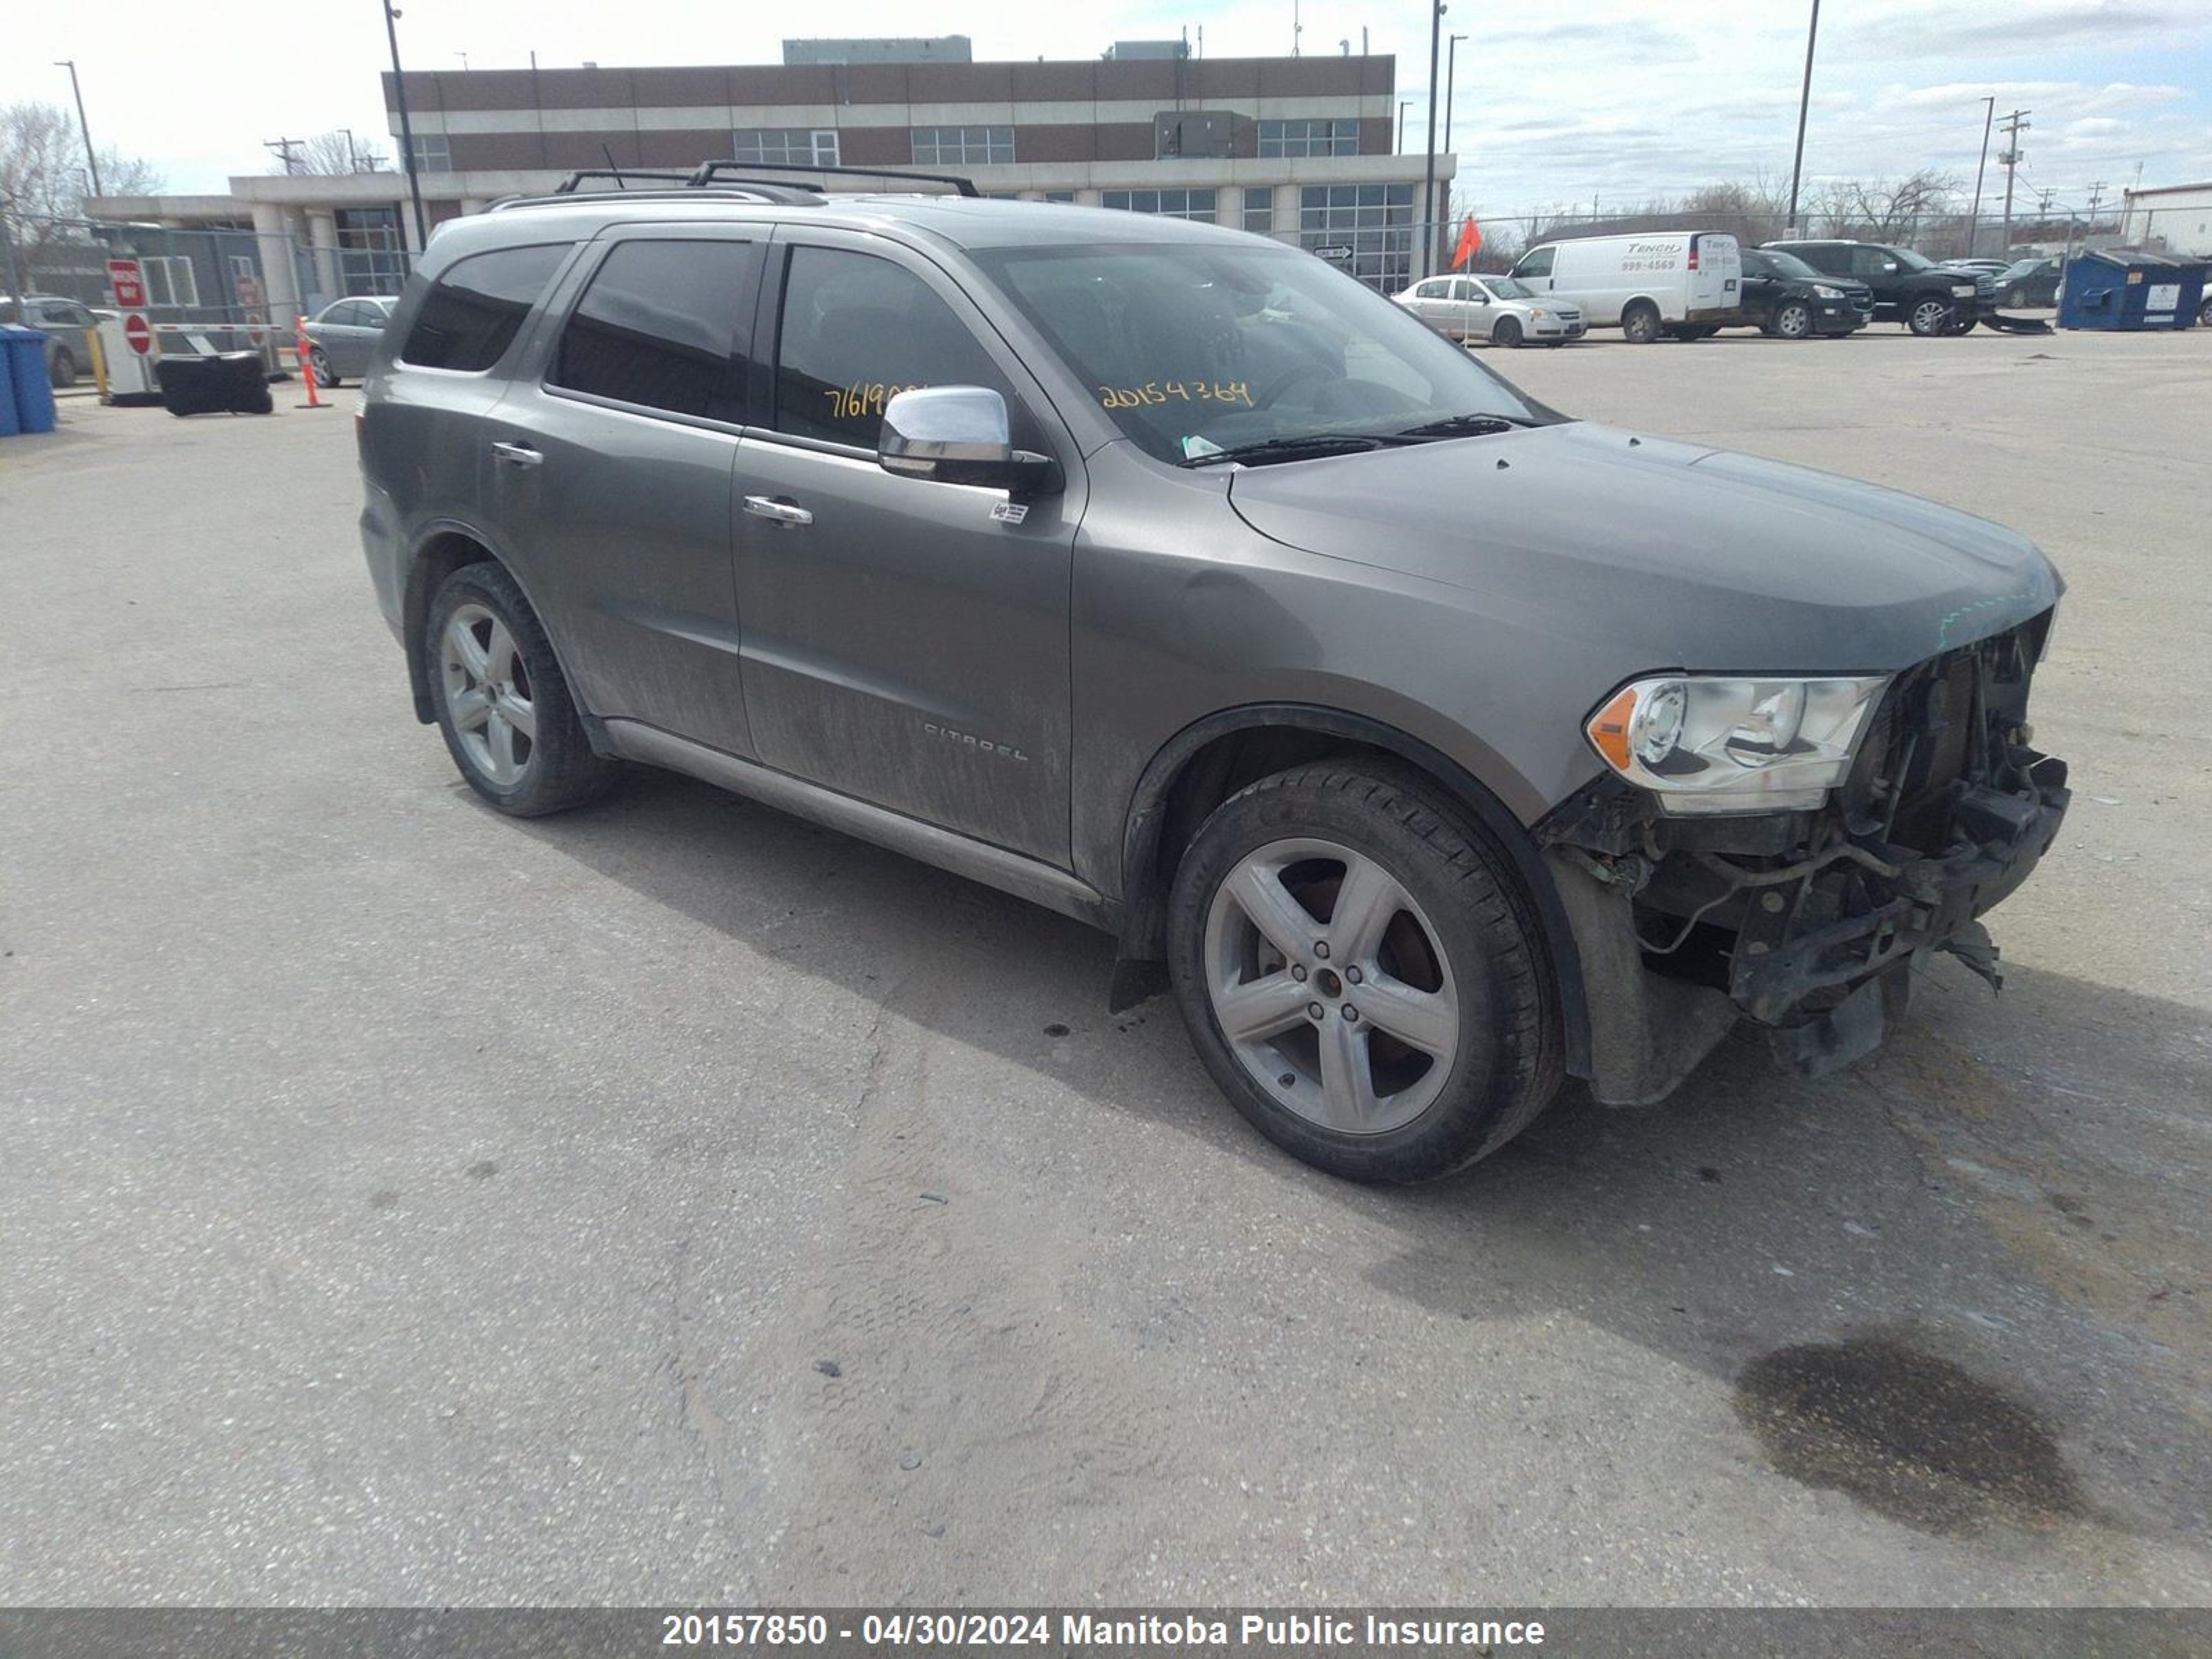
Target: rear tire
[[2204, 315], [1505, 331], [322, 367], [1361, 889], [502, 703], [64, 376], [1639, 324]]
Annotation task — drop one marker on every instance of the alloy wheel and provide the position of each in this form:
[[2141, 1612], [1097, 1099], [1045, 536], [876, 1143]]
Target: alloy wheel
[[1331, 985], [487, 689]]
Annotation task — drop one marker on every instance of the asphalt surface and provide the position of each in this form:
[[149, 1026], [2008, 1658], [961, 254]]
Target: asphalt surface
[[675, 1202]]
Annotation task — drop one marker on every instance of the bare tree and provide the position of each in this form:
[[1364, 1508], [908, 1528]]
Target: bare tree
[[1885, 209], [43, 184], [337, 151]]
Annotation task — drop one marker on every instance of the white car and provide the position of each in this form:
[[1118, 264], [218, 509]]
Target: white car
[[1493, 309], [1684, 283]]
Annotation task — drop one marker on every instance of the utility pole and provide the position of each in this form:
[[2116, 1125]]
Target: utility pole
[[2096, 194], [1452, 80], [406, 129], [1974, 224], [1429, 233], [91, 159], [282, 149], [2016, 124], [1804, 104]]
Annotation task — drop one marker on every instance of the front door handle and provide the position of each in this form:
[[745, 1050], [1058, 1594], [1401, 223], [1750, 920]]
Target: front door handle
[[516, 454], [779, 511]]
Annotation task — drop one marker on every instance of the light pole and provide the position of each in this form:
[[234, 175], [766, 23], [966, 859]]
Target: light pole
[[1428, 233], [91, 160], [1452, 80], [1804, 104], [1974, 224], [406, 131]]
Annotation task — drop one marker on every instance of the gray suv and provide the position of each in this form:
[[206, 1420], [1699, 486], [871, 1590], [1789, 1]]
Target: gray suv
[[1430, 745]]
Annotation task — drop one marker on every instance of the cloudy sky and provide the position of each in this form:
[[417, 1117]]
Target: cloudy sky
[[1615, 100]]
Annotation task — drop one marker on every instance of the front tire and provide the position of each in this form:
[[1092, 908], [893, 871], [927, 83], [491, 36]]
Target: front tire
[[502, 703], [324, 376], [1639, 324], [1505, 331], [1793, 320], [1931, 316], [64, 376], [1360, 890]]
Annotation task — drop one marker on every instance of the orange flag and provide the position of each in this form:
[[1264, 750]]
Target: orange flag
[[1470, 243]]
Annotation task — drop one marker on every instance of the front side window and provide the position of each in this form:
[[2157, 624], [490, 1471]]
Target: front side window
[[474, 311], [963, 146], [659, 326], [1536, 263], [1291, 138], [1194, 349], [857, 331]]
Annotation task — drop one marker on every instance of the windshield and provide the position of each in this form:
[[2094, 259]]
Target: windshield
[[1789, 265], [1912, 261], [1505, 288], [1194, 349]]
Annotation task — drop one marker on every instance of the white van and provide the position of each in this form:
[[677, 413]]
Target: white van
[[1683, 282]]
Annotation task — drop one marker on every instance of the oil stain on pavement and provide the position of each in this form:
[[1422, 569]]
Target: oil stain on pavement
[[1911, 1436]]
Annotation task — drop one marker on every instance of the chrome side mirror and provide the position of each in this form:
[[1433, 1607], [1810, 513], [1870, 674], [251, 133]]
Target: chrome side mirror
[[959, 434]]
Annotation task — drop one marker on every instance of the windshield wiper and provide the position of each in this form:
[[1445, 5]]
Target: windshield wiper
[[1454, 425], [1313, 443]]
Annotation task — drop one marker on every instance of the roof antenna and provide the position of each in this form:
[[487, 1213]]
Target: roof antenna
[[607, 150]]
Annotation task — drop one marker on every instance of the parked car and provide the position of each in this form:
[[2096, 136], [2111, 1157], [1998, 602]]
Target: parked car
[[342, 337], [1405, 728], [1493, 309], [1908, 287], [1979, 267], [2031, 282], [66, 322], [1783, 295], [1679, 282]]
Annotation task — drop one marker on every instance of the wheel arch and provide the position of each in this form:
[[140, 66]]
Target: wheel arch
[[441, 548], [1211, 758]]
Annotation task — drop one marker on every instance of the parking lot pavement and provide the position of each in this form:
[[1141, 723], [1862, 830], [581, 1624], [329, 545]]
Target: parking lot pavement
[[677, 1201]]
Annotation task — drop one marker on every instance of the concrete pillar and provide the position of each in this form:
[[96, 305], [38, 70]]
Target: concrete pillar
[[323, 238], [272, 237]]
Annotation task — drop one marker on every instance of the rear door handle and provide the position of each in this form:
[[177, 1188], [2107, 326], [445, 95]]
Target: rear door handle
[[779, 512], [516, 454]]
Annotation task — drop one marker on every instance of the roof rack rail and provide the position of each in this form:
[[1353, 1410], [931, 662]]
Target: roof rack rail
[[620, 175], [710, 172]]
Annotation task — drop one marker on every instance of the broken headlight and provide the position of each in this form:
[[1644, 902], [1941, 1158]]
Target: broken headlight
[[1723, 743]]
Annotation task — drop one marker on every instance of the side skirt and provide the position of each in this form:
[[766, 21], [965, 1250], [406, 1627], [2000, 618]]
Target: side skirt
[[994, 866]]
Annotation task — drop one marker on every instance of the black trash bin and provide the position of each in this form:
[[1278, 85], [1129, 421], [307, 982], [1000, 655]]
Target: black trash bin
[[228, 382]]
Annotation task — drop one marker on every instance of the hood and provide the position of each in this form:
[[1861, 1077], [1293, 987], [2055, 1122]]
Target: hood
[[1686, 556]]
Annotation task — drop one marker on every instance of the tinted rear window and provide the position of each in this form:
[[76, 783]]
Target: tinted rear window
[[473, 313], [660, 326]]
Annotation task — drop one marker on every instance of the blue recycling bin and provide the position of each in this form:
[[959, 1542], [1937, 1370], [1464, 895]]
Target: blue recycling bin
[[33, 400], [9, 426]]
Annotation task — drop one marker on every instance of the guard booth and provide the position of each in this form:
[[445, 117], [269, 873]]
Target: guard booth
[[2130, 288]]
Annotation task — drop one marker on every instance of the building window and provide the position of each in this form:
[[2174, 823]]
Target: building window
[[1259, 210], [1067, 195], [170, 280], [1376, 221], [1309, 138], [1197, 205], [963, 146], [798, 147], [433, 152], [372, 257]]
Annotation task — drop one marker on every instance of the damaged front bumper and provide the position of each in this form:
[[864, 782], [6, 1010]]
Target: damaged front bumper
[[1813, 924]]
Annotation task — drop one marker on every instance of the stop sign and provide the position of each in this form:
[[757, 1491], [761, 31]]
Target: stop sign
[[137, 335]]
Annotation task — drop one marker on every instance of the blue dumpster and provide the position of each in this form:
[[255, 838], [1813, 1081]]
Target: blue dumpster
[[27, 362], [2130, 288]]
